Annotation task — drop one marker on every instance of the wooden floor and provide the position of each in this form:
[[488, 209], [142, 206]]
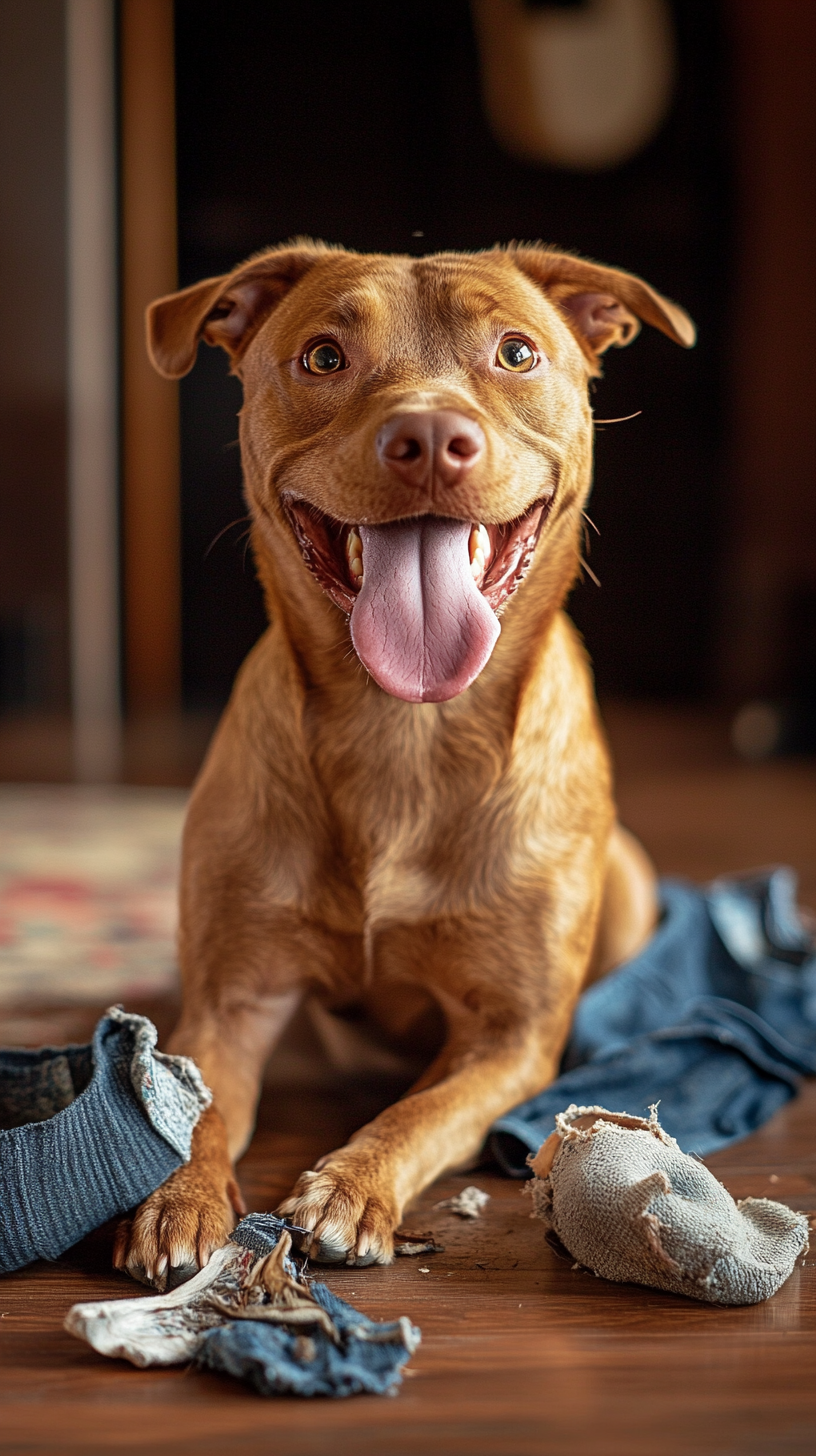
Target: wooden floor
[[521, 1353]]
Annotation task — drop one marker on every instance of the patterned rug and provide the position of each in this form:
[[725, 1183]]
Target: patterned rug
[[87, 893], [88, 881]]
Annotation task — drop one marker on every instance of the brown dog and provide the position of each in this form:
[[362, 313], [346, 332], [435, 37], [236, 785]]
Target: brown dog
[[409, 789]]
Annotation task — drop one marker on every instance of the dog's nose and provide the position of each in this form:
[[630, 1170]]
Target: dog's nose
[[425, 446]]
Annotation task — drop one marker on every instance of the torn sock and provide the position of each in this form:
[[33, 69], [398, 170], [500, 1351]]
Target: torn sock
[[623, 1199]]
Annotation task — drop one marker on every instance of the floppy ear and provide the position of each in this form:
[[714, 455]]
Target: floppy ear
[[603, 306], [228, 310]]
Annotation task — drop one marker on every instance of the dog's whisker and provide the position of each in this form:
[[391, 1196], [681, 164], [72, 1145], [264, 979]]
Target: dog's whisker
[[239, 520], [588, 569], [621, 419]]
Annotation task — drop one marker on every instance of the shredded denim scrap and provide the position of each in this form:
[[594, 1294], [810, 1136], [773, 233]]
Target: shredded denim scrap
[[715, 1019], [87, 1133], [251, 1314], [623, 1200]]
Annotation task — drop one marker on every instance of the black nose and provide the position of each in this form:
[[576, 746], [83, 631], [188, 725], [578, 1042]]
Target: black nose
[[424, 446]]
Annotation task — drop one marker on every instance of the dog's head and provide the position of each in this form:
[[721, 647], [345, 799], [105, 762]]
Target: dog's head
[[418, 428]]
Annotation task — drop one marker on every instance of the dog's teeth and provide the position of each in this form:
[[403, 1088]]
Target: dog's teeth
[[479, 547], [479, 541], [354, 555]]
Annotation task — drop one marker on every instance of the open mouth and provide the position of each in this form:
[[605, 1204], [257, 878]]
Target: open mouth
[[423, 593]]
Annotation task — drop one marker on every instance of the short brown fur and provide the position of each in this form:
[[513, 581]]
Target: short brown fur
[[344, 843]]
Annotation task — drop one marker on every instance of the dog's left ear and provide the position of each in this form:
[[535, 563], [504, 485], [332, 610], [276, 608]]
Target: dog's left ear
[[225, 311], [603, 306]]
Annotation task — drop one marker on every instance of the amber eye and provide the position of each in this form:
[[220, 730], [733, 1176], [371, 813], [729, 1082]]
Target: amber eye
[[324, 358], [515, 354]]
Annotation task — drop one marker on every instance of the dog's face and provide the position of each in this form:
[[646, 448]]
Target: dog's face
[[415, 427]]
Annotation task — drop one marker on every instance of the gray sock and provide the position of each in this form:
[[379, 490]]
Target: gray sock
[[87, 1133]]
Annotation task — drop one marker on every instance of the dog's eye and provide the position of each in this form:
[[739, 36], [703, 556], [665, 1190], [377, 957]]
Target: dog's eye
[[515, 354], [323, 358]]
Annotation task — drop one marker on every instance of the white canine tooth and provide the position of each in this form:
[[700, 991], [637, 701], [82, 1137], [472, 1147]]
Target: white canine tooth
[[479, 541], [479, 546], [354, 554]]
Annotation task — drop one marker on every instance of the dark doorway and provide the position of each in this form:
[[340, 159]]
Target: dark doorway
[[362, 124]]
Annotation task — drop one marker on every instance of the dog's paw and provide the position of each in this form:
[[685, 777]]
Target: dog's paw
[[173, 1233], [348, 1216]]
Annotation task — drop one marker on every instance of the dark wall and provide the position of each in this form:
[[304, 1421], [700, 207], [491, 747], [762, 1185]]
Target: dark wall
[[362, 124]]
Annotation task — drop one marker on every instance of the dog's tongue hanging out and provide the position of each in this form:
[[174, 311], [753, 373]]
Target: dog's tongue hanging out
[[420, 625]]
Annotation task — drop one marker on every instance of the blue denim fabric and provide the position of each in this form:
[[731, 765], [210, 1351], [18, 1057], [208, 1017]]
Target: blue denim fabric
[[88, 1132], [715, 1020], [368, 1359]]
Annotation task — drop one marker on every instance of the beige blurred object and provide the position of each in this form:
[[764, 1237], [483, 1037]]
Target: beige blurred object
[[584, 88], [150, 412], [757, 729]]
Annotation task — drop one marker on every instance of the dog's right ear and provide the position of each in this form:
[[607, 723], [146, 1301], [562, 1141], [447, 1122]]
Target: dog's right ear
[[228, 310]]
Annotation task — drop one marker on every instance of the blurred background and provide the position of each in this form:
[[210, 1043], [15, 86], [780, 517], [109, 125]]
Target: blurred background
[[145, 144]]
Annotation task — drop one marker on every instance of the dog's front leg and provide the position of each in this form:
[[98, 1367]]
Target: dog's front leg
[[177, 1228], [353, 1200]]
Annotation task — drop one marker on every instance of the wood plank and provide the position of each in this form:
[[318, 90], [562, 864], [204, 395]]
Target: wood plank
[[521, 1353], [769, 582], [150, 423], [518, 1348]]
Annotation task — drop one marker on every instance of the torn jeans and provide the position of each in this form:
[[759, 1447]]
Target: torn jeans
[[250, 1313], [715, 1020]]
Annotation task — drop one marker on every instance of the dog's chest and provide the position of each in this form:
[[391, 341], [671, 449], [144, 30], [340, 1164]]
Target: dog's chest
[[429, 820]]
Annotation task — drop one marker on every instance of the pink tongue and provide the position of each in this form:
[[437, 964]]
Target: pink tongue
[[420, 624]]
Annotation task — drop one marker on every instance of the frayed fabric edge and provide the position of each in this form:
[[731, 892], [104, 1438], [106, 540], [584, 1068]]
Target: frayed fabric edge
[[170, 1088]]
